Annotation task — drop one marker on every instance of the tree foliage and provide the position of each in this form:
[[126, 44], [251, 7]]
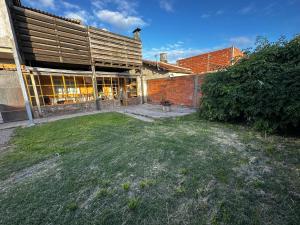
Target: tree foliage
[[262, 89]]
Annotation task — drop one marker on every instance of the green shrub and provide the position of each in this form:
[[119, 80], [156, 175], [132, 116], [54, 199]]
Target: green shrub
[[263, 89]]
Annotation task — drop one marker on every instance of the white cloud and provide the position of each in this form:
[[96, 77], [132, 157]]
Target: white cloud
[[45, 4], [69, 5], [119, 19], [179, 50], [166, 5], [124, 6], [120, 14], [270, 8], [220, 12], [173, 54], [247, 9], [212, 13], [205, 15], [78, 15], [292, 2], [175, 51], [242, 41]]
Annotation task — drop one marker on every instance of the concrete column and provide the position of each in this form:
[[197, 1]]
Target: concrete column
[[6, 14], [1, 119]]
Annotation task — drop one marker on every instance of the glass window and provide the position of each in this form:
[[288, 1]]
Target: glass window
[[61, 89], [131, 87], [115, 88], [107, 88]]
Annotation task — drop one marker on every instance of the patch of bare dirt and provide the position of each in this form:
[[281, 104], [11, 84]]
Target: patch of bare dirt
[[91, 197], [29, 173], [5, 136], [229, 139]]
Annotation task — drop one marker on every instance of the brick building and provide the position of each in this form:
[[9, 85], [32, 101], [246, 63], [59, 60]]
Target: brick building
[[212, 61]]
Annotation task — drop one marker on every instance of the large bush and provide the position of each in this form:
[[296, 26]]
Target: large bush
[[263, 89]]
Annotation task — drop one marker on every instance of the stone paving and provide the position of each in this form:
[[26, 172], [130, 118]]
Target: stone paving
[[157, 111], [145, 112]]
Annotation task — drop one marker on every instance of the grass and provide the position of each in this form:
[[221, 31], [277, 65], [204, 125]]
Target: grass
[[113, 169], [126, 186], [133, 203]]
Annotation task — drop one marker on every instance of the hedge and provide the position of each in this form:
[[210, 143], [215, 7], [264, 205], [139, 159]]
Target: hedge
[[262, 89]]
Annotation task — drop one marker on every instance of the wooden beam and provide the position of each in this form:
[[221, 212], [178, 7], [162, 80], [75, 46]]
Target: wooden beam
[[32, 14], [36, 95], [100, 49], [36, 22], [94, 80], [115, 41]]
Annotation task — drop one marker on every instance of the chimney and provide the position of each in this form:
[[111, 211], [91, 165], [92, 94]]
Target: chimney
[[164, 57], [136, 34]]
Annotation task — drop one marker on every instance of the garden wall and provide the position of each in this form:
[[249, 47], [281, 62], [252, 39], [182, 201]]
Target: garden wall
[[184, 90], [52, 110]]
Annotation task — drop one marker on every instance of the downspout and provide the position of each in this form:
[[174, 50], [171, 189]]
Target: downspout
[[17, 60], [208, 67], [232, 55], [142, 88]]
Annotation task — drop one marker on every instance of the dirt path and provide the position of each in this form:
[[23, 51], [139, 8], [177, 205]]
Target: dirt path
[[5, 136]]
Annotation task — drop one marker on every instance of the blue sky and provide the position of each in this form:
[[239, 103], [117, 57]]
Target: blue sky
[[184, 28]]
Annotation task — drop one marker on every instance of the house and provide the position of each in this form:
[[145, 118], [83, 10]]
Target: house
[[152, 70], [212, 61], [160, 69], [66, 67]]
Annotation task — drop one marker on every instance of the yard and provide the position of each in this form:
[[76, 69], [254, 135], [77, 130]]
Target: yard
[[114, 169]]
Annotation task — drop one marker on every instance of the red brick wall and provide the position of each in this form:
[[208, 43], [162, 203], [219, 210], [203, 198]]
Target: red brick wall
[[177, 90], [211, 61]]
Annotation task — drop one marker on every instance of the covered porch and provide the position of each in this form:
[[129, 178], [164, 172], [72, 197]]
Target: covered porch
[[53, 92]]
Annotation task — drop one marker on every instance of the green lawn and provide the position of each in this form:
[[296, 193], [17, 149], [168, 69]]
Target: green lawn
[[113, 169]]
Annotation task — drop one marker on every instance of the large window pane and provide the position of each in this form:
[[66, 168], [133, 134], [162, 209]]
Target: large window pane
[[131, 87], [61, 89]]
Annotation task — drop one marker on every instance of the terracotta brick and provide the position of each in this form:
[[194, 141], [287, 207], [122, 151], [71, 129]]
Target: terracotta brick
[[211, 61], [177, 90]]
